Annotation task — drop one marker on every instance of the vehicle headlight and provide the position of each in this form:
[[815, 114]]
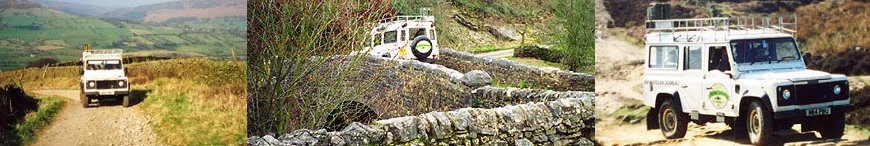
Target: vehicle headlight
[[91, 84], [786, 94], [121, 83], [837, 90]]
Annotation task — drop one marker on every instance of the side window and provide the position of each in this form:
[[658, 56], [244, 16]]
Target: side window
[[403, 35], [390, 37], [663, 57], [692, 58], [719, 59], [432, 34], [378, 39]]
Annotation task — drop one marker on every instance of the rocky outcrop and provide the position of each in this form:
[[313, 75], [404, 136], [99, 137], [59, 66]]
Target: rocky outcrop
[[567, 121], [510, 72], [504, 33]]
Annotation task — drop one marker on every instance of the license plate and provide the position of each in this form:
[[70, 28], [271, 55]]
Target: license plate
[[818, 111], [107, 92]]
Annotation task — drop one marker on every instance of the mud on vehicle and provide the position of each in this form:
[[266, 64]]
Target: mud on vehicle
[[404, 37], [746, 72], [103, 77]]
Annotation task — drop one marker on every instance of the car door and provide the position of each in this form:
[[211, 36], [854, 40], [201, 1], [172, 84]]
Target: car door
[[692, 80], [718, 83]]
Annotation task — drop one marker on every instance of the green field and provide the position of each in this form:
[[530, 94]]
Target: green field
[[30, 34]]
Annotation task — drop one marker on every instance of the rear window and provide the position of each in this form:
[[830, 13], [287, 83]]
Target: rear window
[[663, 57], [390, 37]]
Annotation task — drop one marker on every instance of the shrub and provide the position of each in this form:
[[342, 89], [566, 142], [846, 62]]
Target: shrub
[[41, 62], [288, 89], [539, 53], [576, 40]]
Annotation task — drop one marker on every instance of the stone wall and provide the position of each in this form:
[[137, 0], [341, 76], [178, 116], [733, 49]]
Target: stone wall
[[506, 71], [566, 121]]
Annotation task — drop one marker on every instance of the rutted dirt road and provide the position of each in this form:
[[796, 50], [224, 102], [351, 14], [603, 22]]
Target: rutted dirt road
[[108, 124], [620, 73]]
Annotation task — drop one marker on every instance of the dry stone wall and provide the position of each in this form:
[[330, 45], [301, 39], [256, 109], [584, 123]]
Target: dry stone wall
[[506, 71], [566, 121]]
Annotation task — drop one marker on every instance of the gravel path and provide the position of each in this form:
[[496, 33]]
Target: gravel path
[[108, 124]]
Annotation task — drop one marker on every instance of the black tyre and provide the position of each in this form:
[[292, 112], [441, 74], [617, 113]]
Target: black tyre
[[126, 101], [671, 120], [422, 47], [834, 129], [85, 100], [759, 123]]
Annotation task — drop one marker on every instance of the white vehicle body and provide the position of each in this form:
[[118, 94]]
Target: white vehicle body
[[103, 75], [404, 37], [712, 69]]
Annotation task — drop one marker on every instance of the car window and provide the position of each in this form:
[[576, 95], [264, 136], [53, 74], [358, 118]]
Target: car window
[[103, 64], [390, 37], [693, 58], [378, 38], [663, 57], [415, 32], [432, 34], [403, 35]]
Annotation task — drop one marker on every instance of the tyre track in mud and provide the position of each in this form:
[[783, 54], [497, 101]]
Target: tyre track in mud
[[108, 124]]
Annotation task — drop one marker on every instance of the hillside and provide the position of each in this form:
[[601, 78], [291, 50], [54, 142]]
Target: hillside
[[30, 32], [185, 9]]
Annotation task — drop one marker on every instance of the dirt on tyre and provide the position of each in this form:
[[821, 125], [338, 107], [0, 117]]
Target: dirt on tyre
[[759, 123], [672, 122], [836, 128], [422, 48]]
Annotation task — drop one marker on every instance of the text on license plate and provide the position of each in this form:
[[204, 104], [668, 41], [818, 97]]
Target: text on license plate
[[818, 111], [107, 92]]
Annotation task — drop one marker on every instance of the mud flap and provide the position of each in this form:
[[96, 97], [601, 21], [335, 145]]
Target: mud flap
[[652, 119]]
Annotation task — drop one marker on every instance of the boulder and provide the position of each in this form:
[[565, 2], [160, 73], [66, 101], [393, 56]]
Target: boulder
[[505, 33], [476, 78]]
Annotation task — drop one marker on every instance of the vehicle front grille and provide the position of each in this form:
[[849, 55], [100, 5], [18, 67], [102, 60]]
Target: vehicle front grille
[[109, 84], [813, 93]]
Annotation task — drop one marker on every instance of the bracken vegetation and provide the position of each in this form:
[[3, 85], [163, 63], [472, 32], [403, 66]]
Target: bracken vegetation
[[288, 89]]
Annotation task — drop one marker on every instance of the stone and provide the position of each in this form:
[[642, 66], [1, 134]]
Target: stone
[[505, 33], [476, 78], [523, 142]]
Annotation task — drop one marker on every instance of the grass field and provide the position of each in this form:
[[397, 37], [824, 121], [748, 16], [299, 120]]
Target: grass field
[[30, 34]]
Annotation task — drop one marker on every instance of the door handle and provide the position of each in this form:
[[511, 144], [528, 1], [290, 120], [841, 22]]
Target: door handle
[[684, 86], [709, 88]]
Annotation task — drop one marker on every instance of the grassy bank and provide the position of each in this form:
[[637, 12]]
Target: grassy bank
[[22, 114], [34, 121]]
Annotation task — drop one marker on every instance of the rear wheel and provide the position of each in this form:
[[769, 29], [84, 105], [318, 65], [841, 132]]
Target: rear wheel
[[759, 124], [835, 128], [671, 121]]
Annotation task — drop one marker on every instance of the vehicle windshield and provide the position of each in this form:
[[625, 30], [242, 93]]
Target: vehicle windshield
[[103, 64], [764, 50]]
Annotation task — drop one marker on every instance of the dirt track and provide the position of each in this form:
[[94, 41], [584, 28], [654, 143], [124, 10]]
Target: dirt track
[[620, 73], [108, 124]]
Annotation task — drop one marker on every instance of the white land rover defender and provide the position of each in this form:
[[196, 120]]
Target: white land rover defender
[[746, 72], [404, 37], [103, 76]]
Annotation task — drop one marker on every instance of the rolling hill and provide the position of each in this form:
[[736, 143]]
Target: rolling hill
[[29, 32]]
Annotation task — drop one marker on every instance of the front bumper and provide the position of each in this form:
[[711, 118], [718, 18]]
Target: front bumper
[[113, 92], [801, 113]]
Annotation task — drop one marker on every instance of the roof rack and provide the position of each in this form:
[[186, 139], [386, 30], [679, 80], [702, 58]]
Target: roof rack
[[685, 30], [108, 53], [408, 18]]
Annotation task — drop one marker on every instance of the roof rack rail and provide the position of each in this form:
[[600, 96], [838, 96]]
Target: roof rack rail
[[681, 29], [107, 53]]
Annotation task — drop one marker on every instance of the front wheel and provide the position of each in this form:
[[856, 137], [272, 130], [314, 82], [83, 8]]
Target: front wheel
[[836, 127], [759, 124], [84, 99], [126, 101], [671, 121]]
